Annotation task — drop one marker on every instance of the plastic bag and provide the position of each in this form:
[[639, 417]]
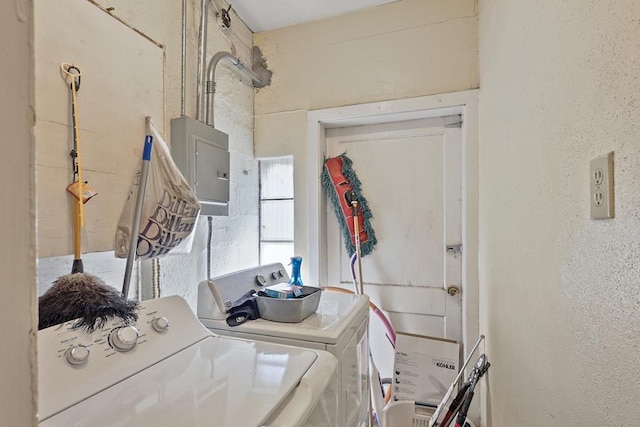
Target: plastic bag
[[169, 213]]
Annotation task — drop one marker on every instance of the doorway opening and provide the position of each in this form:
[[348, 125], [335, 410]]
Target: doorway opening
[[319, 125]]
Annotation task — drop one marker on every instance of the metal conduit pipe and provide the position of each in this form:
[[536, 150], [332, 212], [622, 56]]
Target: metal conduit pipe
[[210, 85], [183, 88], [202, 57]]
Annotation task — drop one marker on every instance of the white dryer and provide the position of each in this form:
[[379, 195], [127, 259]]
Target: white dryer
[[167, 370], [339, 326]]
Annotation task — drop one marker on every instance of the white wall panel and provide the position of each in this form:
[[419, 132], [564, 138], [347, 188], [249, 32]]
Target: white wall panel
[[18, 311], [121, 83]]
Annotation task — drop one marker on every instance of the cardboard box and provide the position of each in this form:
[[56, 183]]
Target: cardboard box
[[424, 368]]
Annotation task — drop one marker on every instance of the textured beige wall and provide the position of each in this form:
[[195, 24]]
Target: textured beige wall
[[400, 50], [17, 210], [559, 86], [121, 83]]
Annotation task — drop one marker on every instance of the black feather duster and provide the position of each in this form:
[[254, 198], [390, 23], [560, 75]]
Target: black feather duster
[[84, 297]]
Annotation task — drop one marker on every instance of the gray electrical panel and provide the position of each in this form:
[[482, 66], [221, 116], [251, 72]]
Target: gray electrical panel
[[202, 154]]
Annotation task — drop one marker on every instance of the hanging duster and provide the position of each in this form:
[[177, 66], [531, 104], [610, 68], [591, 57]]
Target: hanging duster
[[343, 188]]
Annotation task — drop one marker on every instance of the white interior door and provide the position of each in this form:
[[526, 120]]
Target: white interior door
[[411, 177]]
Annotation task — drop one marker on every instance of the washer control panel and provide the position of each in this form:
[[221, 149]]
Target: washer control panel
[[82, 363], [77, 346]]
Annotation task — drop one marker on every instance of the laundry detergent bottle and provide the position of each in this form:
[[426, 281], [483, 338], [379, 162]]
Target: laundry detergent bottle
[[296, 279]]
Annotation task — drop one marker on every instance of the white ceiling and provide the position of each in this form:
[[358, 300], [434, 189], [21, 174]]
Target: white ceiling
[[263, 15]]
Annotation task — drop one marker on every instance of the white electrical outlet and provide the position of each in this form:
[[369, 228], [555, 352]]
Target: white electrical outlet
[[601, 187]]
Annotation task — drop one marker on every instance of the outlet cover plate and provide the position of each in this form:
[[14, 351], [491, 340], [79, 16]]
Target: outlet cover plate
[[601, 187]]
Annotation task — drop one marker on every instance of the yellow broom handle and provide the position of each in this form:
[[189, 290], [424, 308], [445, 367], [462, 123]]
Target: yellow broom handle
[[74, 100], [76, 229]]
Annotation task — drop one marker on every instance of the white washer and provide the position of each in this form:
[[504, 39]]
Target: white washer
[[166, 370], [339, 326]]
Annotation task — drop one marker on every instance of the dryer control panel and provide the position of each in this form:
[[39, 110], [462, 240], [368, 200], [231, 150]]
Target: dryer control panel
[[217, 295]]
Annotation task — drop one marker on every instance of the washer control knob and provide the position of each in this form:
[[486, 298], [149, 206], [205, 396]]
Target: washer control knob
[[160, 324], [260, 280], [281, 273], [124, 338], [77, 355]]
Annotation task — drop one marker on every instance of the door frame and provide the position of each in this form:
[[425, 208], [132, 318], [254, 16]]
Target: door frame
[[464, 103]]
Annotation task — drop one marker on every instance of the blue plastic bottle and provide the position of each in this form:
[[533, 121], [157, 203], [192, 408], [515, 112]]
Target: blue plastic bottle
[[295, 279]]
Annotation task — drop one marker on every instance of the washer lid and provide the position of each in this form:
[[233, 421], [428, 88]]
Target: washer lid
[[335, 313], [218, 381]]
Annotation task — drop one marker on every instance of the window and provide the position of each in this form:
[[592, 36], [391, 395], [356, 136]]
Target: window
[[276, 210]]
